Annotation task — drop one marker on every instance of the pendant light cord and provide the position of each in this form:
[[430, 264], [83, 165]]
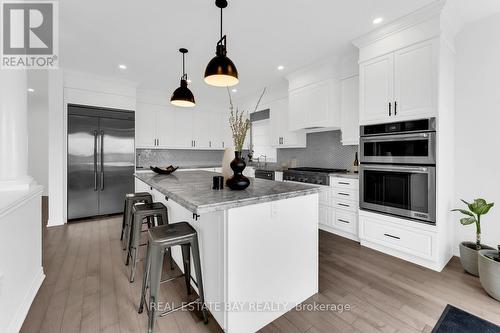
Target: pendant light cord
[[221, 23], [183, 66]]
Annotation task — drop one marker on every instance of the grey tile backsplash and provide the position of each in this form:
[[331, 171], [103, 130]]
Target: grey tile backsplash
[[178, 157], [324, 150]]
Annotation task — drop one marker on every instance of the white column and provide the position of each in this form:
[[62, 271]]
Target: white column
[[14, 130], [57, 149]]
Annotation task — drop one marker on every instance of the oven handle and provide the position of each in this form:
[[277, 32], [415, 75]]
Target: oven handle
[[399, 137], [380, 167]]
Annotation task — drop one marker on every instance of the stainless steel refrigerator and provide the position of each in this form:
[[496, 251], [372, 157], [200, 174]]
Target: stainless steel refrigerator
[[100, 160]]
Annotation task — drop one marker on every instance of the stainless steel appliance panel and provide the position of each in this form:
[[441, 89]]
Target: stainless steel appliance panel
[[116, 163], [407, 191], [264, 174], [83, 199], [411, 148], [100, 160]]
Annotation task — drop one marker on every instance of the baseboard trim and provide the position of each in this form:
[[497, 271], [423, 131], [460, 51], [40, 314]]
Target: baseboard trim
[[339, 232], [18, 319]]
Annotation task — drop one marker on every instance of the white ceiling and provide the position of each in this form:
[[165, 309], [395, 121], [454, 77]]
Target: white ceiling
[[98, 35]]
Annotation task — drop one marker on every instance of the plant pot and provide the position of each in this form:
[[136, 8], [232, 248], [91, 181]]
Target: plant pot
[[489, 273], [469, 255], [237, 181]]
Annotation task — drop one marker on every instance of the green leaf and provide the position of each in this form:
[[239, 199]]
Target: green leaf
[[468, 220], [465, 202], [463, 211], [485, 209]]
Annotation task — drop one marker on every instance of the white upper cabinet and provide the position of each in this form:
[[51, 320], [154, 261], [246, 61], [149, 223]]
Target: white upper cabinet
[[349, 110], [165, 126], [281, 136], [145, 125], [314, 105], [183, 122], [400, 85], [201, 129], [376, 88], [415, 80]]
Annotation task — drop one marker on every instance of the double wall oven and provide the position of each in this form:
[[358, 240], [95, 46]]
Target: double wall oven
[[398, 169]]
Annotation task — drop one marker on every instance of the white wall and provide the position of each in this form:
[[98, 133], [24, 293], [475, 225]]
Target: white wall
[[477, 120], [38, 128], [69, 87], [38, 143]]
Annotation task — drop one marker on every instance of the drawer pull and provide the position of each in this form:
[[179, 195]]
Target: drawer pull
[[343, 221], [346, 194], [344, 183], [341, 204], [391, 236]]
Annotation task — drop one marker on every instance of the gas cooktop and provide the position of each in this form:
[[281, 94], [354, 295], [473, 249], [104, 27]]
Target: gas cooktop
[[323, 170]]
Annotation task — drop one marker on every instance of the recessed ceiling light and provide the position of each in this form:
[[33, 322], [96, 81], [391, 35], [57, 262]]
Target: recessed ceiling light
[[281, 67], [122, 66], [234, 90], [378, 20], [31, 90]]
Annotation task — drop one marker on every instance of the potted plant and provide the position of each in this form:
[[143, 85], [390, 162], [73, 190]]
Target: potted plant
[[489, 271], [469, 250], [239, 128]]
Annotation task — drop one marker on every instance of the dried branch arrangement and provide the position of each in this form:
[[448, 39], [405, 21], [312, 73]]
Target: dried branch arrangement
[[240, 122]]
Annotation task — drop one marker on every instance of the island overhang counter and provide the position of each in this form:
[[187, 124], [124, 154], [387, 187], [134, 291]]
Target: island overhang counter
[[258, 247]]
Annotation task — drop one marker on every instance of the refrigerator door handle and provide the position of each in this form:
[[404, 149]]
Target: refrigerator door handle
[[95, 160], [102, 162]]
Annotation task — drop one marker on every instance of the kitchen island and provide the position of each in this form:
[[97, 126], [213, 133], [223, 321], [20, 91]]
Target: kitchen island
[[258, 247]]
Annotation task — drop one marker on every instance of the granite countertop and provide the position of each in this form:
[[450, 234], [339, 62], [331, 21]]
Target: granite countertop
[[181, 167], [193, 190]]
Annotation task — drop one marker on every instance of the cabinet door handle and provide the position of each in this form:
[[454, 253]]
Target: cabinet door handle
[[158, 142], [210, 144], [194, 143], [395, 108], [341, 204], [222, 144], [340, 193], [343, 221], [344, 183], [389, 109], [391, 236]]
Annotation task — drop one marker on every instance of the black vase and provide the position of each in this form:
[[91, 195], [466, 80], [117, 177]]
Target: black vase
[[238, 181]]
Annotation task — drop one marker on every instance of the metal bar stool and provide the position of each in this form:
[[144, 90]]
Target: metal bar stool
[[152, 212], [130, 200], [160, 239]]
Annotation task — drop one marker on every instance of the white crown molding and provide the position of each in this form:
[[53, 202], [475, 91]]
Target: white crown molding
[[412, 19]]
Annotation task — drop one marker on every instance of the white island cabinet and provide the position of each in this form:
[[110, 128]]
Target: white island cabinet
[[258, 247]]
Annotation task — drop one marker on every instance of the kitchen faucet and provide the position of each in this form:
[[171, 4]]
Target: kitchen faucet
[[265, 160]]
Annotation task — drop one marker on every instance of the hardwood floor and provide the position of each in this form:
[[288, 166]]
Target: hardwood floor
[[87, 290]]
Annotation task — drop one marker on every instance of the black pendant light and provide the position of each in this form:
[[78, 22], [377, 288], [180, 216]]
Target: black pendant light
[[220, 71], [182, 96]]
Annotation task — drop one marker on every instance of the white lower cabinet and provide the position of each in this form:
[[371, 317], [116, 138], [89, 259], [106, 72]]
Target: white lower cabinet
[[409, 240], [346, 221], [338, 207]]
